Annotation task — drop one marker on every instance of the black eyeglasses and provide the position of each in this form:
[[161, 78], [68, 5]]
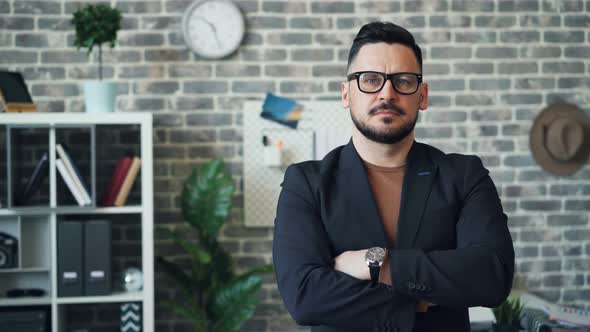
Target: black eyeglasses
[[374, 81]]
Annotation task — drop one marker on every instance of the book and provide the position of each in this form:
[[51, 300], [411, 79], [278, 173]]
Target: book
[[128, 182], [40, 172], [77, 170], [74, 173], [112, 189], [70, 182]]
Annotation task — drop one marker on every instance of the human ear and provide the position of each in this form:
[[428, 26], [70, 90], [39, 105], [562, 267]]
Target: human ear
[[423, 100], [345, 95]]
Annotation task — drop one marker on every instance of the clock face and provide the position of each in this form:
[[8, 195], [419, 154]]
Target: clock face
[[213, 28]]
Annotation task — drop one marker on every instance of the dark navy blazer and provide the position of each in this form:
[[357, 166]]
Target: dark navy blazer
[[453, 245]]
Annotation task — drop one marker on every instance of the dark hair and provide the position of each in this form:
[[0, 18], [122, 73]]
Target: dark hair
[[383, 32]]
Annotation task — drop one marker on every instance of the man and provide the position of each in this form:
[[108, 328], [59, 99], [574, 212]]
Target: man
[[385, 233]]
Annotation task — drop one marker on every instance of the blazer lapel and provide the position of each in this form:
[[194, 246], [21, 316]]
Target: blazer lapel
[[360, 196], [418, 178]]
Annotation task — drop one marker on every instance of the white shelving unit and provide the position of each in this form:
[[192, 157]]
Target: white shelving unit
[[37, 267]]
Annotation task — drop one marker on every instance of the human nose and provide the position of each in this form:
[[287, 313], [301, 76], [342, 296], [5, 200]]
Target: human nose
[[388, 92]]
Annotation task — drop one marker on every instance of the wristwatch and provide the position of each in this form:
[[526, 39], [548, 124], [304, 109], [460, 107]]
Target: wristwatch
[[374, 258]]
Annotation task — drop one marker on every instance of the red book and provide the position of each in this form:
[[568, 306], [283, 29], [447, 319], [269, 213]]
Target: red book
[[111, 191]]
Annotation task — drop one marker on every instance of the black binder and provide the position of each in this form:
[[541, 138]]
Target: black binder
[[97, 257], [24, 321], [69, 258]]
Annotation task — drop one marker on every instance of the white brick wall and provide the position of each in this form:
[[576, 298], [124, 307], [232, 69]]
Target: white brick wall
[[491, 65]]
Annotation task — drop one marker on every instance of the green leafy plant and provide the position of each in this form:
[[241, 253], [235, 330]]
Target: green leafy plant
[[96, 25], [508, 313], [213, 297]]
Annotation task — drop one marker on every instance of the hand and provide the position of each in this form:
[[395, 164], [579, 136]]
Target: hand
[[212, 26], [422, 306], [353, 263]]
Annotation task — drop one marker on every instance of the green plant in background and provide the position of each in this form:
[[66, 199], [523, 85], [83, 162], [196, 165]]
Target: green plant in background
[[96, 25], [508, 315], [213, 297]]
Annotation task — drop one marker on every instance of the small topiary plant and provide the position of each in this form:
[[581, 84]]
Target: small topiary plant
[[96, 25]]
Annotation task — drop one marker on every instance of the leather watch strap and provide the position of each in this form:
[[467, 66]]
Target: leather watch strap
[[374, 269]]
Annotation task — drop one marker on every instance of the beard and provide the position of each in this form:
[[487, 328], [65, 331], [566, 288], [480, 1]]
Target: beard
[[389, 135]]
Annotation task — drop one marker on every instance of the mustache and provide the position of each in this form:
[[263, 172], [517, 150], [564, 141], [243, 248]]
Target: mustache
[[386, 106]]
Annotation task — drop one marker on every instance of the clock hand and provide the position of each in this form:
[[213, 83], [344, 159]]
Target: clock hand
[[212, 28]]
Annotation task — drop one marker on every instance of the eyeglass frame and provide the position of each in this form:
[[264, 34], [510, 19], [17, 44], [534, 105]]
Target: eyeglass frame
[[388, 77]]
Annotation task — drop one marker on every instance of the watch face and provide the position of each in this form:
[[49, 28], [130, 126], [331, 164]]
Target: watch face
[[375, 254], [213, 28]]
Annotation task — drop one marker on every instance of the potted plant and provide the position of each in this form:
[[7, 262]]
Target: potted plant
[[97, 25], [508, 315], [213, 296]]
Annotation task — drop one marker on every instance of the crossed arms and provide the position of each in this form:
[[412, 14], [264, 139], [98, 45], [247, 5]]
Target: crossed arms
[[477, 273]]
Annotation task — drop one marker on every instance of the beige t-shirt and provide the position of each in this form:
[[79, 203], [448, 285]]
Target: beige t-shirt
[[386, 183]]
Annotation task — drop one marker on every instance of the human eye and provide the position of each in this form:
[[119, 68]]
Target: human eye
[[371, 79], [405, 80]]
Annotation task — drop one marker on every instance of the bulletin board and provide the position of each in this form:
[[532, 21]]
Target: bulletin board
[[324, 126]]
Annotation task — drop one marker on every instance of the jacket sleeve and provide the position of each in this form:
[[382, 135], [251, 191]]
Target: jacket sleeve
[[479, 271], [313, 292]]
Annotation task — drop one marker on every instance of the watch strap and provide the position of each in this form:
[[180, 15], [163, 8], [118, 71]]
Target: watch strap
[[374, 270]]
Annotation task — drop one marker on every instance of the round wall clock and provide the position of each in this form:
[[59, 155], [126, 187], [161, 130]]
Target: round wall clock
[[213, 29]]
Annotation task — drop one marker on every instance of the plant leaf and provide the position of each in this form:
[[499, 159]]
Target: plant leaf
[[222, 268], [176, 272], [197, 252], [509, 312], [191, 312], [235, 302], [263, 269], [207, 198]]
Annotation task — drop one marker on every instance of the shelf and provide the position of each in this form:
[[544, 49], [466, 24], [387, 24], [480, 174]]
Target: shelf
[[94, 141], [26, 270], [4, 302], [115, 297], [41, 119], [36, 210]]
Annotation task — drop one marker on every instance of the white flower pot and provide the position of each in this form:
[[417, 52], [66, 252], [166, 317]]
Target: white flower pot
[[99, 96]]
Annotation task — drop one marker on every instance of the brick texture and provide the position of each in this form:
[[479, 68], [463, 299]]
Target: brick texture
[[492, 66]]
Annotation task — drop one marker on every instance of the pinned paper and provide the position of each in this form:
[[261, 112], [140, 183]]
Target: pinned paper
[[282, 110]]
